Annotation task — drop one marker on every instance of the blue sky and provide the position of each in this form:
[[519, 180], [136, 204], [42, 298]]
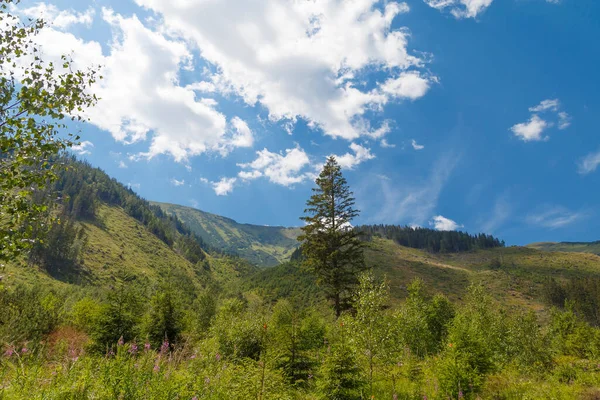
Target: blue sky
[[477, 115]]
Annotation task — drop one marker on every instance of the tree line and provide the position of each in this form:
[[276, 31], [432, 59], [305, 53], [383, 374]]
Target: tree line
[[430, 240]]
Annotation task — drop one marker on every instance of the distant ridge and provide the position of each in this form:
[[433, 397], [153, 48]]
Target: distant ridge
[[264, 246], [573, 247]]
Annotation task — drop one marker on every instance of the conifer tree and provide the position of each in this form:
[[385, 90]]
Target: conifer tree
[[330, 246]]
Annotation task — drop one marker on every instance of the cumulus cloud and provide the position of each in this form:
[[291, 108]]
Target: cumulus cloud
[[140, 94], [58, 19], [554, 217], [410, 85], [301, 59], [589, 163], [224, 186], [83, 148], [178, 182], [531, 130], [441, 223], [283, 169], [461, 8], [361, 154], [416, 146]]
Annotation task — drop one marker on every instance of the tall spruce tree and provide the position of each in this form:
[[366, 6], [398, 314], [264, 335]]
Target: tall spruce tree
[[330, 246]]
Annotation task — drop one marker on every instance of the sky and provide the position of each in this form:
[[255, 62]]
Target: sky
[[478, 115]]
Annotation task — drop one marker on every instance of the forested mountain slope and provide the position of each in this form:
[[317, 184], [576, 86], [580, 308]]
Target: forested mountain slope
[[262, 245], [515, 276], [104, 232]]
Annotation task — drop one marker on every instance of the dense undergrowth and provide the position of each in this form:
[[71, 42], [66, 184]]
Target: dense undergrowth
[[133, 342]]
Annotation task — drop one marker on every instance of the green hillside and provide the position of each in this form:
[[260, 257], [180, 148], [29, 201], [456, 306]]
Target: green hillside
[[262, 245], [121, 235], [576, 247], [515, 276]]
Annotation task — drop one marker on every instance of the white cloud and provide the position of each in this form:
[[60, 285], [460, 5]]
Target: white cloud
[[416, 146], [410, 85], [122, 165], [589, 163], [461, 8], [500, 213], [384, 143], [283, 169], [554, 217], [83, 148], [361, 154], [545, 105], [564, 120], [554, 1], [178, 182], [58, 19], [301, 59], [224, 186], [134, 185], [140, 95], [441, 223], [531, 130], [412, 202]]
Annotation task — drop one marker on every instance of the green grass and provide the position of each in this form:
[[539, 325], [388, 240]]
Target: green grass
[[579, 247], [514, 276], [264, 246], [118, 245]]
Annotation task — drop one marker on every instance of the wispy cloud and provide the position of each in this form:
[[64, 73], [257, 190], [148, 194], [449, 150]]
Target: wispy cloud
[[409, 203], [178, 182], [554, 217], [498, 216], [416, 146], [589, 163]]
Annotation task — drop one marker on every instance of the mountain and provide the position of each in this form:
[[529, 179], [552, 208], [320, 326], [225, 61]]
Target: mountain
[[106, 233], [264, 246], [515, 276], [577, 247]]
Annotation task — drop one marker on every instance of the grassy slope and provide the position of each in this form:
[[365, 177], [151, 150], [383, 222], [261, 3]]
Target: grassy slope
[[579, 247], [514, 275], [261, 245], [117, 243]]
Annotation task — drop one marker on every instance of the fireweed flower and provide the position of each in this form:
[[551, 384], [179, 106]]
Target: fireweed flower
[[218, 357], [133, 349], [121, 342], [9, 352], [165, 347], [24, 350], [147, 346], [156, 368]]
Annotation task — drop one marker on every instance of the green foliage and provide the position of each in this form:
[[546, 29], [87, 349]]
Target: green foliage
[[296, 334], [429, 239], [238, 331], [330, 247], [164, 320], [119, 318], [28, 314], [61, 249], [36, 97], [340, 377]]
